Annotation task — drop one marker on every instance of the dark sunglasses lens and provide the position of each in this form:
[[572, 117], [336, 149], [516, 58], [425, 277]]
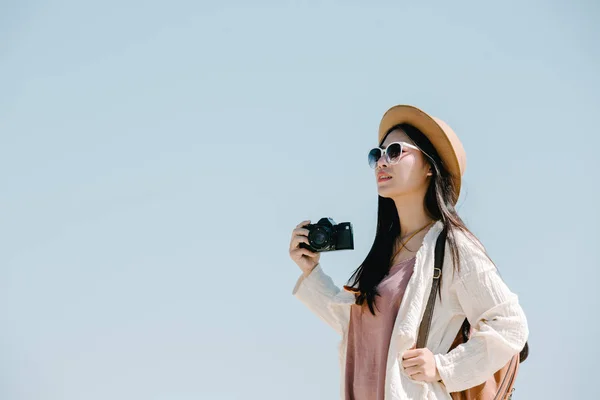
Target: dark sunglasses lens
[[393, 152], [374, 156]]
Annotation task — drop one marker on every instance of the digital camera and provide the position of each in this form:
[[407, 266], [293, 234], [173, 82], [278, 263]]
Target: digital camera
[[325, 235]]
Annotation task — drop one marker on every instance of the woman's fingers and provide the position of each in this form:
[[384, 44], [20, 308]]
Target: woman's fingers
[[296, 240], [298, 253], [305, 259], [419, 364], [413, 357], [419, 377], [309, 253], [412, 353], [303, 223], [413, 370], [299, 235], [300, 231], [411, 362]]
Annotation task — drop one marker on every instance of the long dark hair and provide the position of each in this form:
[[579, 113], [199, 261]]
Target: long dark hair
[[439, 205]]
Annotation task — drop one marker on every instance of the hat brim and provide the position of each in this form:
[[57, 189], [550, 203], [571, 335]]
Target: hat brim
[[439, 134]]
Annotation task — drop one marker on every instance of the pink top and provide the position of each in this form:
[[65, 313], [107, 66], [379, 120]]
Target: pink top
[[369, 336]]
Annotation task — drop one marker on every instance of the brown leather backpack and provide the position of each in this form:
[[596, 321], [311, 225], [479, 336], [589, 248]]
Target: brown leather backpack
[[499, 386]]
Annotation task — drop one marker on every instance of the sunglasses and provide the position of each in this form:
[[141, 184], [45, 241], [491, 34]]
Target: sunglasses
[[392, 153]]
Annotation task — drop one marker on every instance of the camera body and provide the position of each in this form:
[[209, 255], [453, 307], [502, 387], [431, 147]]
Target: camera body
[[325, 235]]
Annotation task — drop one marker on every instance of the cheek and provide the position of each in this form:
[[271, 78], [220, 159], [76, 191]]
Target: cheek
[[401, 172], [407, 177], [407, 170]]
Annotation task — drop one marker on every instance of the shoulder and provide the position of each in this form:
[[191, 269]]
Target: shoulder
[[471, 254], [467, 241]]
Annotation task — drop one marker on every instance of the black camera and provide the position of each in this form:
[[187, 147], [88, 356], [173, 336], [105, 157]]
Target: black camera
[[325, 235]]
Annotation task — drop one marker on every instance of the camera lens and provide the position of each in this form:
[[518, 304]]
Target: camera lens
[[319, 238]]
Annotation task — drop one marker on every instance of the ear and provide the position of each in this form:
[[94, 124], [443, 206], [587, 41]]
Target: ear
[[430, 173]]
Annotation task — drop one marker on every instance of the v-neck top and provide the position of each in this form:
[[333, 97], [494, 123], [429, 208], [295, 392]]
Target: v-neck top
[[369, 336]]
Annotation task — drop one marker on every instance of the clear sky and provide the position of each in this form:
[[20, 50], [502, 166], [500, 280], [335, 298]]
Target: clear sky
[[155, 156]]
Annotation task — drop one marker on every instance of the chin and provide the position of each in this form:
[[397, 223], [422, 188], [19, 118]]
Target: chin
[[393, 191], [386, 192]]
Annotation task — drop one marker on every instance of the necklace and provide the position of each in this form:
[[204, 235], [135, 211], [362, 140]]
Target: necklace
[[408, 240], [357, 290]]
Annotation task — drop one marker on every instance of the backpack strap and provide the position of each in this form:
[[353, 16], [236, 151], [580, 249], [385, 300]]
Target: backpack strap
[[440, 247]]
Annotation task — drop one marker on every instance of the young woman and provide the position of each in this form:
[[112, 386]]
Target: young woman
[[418, 167]]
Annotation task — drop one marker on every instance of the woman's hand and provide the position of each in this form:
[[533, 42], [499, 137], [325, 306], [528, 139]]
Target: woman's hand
[[304, 258], [419, 364]]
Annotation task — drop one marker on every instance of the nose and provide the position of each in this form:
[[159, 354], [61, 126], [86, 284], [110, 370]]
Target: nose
[[382, 162]]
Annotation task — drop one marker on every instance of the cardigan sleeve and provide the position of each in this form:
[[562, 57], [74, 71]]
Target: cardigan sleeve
[[500, 326], [316, 290]]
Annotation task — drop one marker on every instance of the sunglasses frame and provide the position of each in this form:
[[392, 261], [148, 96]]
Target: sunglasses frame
[[384, 152]]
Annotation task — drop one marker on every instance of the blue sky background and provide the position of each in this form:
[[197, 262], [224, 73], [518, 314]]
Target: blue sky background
[[155, 156]]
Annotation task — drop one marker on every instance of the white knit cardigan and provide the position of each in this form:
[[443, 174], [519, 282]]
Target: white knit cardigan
[[477, 292]]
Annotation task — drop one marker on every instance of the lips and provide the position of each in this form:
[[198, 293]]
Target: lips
[[383, 177]]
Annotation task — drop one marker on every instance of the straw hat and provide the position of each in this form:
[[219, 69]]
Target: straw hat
[[442, 137]]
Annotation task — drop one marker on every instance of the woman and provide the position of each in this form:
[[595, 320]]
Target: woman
[[418, 168]]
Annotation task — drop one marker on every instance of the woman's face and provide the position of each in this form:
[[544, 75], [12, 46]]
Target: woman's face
[[409, 176]]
